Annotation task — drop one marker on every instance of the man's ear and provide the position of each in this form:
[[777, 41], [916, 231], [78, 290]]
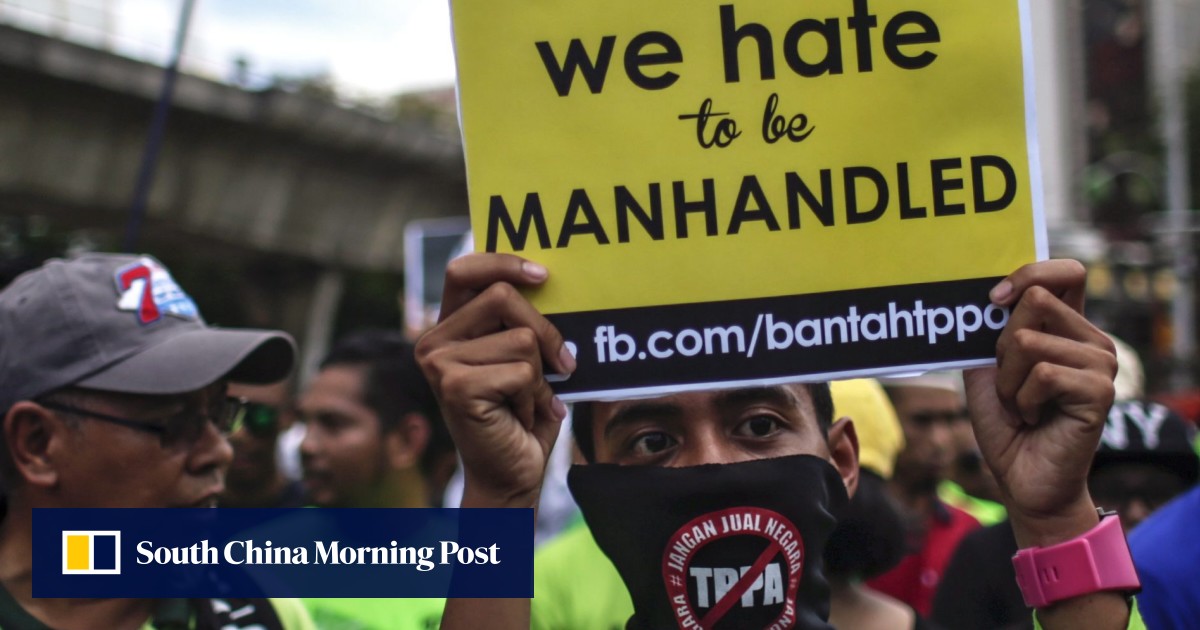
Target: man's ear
[[32, 433], [843, 451], [406, 441]]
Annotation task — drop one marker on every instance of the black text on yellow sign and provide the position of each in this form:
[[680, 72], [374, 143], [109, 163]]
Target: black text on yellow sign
[[695, 152], [820, 201]]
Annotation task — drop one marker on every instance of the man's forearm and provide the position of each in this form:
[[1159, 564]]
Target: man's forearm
[[501, 614]]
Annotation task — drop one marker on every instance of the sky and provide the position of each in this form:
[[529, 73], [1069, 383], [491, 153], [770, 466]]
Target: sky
[[371, 48]]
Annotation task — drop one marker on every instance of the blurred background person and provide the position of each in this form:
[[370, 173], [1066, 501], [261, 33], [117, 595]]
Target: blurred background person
[[929, 407], [374, 431], [869, 538], [1145, 459], [374, 439], [970, 485], [255, 478]]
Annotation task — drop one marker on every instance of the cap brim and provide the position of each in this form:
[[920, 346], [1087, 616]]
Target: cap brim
[[196, 359]]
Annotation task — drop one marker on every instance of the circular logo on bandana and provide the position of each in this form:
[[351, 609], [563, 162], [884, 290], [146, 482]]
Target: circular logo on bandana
[[735, 568]]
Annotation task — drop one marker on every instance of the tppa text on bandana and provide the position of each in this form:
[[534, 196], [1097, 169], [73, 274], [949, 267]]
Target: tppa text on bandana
[[740, 191], [198, 553]]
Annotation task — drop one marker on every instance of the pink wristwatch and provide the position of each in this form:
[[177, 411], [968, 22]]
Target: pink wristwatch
[[1097, 560]]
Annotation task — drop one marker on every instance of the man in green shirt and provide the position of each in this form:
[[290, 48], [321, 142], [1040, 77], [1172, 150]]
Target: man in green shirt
[[114, 397], [374, 439]]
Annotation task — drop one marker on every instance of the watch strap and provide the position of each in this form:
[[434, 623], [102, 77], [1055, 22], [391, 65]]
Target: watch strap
[[1098, 560]]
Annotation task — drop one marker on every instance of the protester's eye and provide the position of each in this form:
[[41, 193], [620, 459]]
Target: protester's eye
[[651, 443], [758, 426]]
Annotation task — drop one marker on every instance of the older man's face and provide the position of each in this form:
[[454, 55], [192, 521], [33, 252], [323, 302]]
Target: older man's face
[[108, 465], [709, 427]]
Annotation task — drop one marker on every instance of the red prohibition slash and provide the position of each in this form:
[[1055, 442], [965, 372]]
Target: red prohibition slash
[[702, 531], [739, 588]]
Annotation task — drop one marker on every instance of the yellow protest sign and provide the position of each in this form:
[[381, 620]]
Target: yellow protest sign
[[715, 172]]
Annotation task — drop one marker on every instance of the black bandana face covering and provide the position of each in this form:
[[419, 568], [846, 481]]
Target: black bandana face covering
[[725, 546]]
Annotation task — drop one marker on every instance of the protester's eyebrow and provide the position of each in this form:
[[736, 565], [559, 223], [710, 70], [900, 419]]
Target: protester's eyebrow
[[638, 412], [779, 396]]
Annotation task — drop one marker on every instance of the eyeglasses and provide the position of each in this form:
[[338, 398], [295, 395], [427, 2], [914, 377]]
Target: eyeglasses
[[184, 427], [259, 419]]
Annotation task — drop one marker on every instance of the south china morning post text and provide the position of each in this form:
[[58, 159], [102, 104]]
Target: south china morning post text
[[250, 552], [284, 553]]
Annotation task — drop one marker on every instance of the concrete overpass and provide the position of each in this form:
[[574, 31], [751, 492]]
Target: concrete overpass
[[271, 171], [275, 189]]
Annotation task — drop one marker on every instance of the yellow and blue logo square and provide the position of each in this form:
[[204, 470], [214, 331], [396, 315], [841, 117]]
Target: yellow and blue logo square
[[91, 553]]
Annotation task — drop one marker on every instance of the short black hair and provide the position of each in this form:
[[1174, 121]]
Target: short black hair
[[394, 385], [581, 418]]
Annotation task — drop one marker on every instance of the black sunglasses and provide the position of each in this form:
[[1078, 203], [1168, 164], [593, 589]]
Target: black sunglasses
[[184, 427]]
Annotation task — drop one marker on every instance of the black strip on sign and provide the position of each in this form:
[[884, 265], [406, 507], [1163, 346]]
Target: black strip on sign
[[654, 349]]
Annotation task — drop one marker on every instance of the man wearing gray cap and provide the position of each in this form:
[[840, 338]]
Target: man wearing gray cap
[[112, 394]]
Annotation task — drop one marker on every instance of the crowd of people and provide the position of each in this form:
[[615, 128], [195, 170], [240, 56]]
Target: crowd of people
[[893, 503]]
